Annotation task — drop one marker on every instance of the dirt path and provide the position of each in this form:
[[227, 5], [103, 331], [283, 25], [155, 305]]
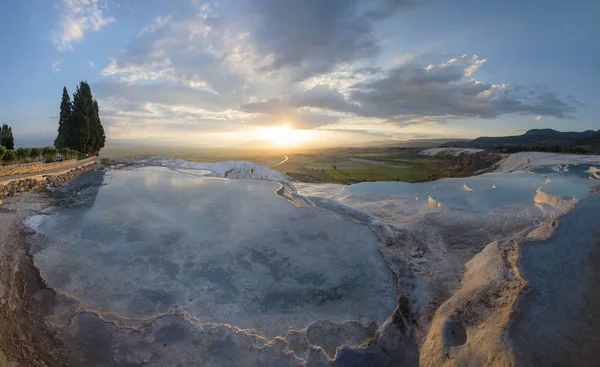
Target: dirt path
[[82, 162], [282, 162]]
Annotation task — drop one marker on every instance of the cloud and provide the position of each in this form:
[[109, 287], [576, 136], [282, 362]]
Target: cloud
[[412, 93], [194, 49], [136, 96], [56, 65], [309, 63], [538, 118], [311, 37], [195, 58], [77, 18]]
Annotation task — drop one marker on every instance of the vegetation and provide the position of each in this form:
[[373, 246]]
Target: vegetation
[[66, 111], [9, 156], [50, 154], [67, 153], [79, 125], [35, 153], [350, 165], [543, 148], [23, 154], [80, 132], [6, 137]]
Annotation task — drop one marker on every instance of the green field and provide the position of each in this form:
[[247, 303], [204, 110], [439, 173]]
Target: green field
[[358, 165], [338, 165]]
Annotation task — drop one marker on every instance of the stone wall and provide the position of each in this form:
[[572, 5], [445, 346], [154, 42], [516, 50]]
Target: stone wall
[[19, 169], [30, 183]]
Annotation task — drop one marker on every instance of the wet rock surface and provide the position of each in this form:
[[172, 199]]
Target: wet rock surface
[[205, 264], [558, 319], [111, 297]]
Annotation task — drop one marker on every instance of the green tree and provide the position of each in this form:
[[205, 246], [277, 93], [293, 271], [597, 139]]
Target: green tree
[[6, 137], [2, 151], [80, 127], [66, 111], [50, 154], [77, 131], [9, 157], [97, 136], [35, 153], [22, 154]]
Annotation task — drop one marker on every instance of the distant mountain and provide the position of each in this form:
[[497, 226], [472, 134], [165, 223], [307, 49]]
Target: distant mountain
[[544, 139], [591, 143]]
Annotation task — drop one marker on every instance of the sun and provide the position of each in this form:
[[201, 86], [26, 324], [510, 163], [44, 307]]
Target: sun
[[283, 136]]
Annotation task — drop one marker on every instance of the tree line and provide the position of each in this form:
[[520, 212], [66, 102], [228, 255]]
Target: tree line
[[80, 132], [28, 155]]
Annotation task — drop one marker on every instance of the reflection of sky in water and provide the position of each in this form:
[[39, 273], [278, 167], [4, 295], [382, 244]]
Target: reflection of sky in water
[[223, 250], [492, 190]]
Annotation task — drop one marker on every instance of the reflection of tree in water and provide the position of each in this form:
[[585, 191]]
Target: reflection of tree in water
[[80, 192]]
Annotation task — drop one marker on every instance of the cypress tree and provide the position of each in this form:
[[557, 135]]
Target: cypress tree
[[3, 135], [66, 111], [79, 127], [6, 137], [94, 122], [77, 133], [100, 136]]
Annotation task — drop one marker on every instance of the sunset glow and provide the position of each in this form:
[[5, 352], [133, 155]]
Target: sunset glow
[[284, 136]]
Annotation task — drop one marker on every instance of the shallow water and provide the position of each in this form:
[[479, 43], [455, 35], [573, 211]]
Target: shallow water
[[477, 193], [557, 322], [223, 251]]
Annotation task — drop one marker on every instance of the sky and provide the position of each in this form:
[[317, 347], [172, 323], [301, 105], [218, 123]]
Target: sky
[[330, 72]]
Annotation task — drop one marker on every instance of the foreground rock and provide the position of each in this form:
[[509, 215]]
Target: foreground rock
[[25, 336], [16, 186]]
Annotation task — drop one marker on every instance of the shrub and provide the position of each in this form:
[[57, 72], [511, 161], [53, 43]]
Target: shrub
[[68, 153], [9, 157], [35, 153], [64, 152], [2, 151], [50, 154], [22, 154]]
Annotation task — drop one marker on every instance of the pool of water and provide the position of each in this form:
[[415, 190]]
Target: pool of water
[[151, 241], [485, 192]]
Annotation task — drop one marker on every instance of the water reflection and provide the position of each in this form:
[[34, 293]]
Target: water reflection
[[156, 241]]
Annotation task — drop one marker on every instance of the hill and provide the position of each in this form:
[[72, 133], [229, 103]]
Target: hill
[[538, 139]]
